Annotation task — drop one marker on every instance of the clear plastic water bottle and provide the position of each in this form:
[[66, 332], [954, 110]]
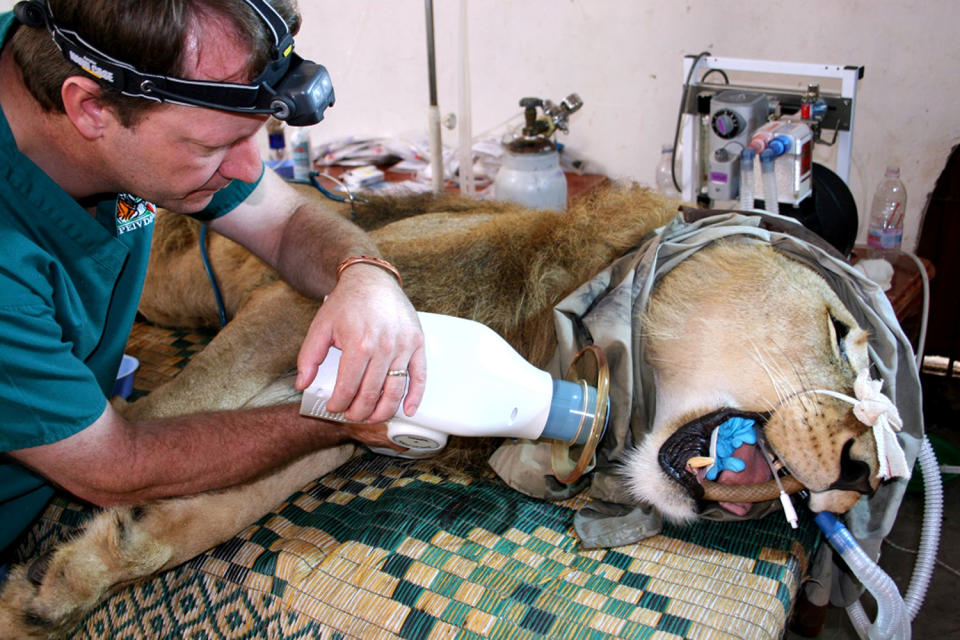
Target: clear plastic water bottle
[[885, 231], [664, 178]]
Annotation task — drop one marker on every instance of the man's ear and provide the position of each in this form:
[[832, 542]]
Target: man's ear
[[84, 105]]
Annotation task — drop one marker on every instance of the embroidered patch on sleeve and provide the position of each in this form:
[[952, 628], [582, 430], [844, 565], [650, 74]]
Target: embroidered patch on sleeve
[[133, 213]]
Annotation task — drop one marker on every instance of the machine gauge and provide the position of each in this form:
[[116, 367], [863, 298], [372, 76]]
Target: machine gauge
[[727, 123]]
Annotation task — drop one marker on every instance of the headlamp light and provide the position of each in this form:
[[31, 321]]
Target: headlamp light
[[289, 88]]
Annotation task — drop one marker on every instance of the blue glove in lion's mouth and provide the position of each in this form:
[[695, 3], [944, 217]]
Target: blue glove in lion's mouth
[[728, 441]]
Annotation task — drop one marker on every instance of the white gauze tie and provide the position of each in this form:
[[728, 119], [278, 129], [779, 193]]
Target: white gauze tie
[[876, 410]]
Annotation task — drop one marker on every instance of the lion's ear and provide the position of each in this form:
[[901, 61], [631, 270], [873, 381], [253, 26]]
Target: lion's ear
[[857, 342]]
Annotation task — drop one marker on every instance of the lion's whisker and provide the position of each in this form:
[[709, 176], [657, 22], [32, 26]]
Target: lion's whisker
[[776, 381]]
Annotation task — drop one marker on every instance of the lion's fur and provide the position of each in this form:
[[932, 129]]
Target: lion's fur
[[495, 262], [505, 266]]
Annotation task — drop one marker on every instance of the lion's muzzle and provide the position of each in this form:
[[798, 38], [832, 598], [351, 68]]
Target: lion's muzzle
[[789, 442]]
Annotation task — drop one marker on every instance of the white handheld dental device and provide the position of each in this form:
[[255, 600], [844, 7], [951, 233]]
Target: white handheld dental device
[[477, 386]]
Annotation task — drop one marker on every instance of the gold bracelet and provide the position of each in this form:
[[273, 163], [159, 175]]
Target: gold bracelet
[[377, 262]]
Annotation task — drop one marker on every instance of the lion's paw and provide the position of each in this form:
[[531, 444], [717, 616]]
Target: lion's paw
[[50, 594]]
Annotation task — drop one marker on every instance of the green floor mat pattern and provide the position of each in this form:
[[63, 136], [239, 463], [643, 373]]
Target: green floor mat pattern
[[386, 548]]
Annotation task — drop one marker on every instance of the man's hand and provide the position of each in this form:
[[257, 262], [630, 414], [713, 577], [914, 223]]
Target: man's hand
[[366, 314], [368, 317]]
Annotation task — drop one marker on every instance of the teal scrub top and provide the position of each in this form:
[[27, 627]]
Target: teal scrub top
[[69, 288]]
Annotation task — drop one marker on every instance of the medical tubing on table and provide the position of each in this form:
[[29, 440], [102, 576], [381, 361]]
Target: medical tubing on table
[[891, 622], [767, 169], [746, 178], [319, 187]]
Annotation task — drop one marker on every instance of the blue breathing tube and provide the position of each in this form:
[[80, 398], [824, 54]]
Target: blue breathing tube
[[893, 621]]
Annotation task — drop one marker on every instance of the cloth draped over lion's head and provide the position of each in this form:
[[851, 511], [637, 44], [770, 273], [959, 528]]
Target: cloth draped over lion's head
[[734, 341]]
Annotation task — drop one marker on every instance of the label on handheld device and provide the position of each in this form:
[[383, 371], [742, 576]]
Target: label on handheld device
[[316, 407], [314, 400]]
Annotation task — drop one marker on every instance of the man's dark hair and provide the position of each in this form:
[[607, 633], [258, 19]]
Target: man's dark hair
[[147, 34]]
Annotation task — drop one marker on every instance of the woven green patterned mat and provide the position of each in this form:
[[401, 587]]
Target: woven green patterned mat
[[384, 548]]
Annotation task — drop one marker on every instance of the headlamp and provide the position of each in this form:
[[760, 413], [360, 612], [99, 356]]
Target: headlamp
[[289, 88]]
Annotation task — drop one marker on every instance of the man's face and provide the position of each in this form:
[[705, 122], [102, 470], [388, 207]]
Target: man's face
[[177, 156], [180, 156]]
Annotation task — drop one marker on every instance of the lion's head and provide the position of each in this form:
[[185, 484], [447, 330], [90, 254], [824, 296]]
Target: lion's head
[[739, 334]]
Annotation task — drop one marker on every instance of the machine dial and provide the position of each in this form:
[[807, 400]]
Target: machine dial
[[727, 123]]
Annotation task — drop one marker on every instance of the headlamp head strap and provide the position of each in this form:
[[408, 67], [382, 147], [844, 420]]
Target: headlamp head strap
[[262, 95]]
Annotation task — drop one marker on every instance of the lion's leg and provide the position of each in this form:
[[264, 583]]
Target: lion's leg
[[121, 544], [259, 345]]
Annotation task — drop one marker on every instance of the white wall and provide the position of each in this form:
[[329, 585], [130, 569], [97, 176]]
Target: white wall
[[624, 58]]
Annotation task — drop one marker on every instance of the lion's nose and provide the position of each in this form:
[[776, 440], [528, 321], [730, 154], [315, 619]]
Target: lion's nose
[[854, 474]]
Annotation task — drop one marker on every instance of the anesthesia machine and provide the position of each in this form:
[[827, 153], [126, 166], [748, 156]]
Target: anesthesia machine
[[753, 126]]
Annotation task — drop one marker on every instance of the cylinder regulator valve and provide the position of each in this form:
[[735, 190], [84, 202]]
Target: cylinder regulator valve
[[559, 114], [534, 126]]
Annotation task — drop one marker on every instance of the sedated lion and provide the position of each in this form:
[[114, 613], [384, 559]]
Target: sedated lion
[[735, 331]]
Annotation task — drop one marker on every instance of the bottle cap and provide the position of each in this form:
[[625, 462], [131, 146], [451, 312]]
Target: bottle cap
[[892, 172]]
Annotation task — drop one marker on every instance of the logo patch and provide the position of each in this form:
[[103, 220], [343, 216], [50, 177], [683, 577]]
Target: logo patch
[[133, 213]]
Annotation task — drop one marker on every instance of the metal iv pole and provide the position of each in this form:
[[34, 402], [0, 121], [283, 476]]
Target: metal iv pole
[[436, 148]]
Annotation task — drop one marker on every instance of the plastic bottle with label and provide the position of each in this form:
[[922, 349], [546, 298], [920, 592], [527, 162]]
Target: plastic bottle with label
[[885, 230], [664, 177], [300, 150]]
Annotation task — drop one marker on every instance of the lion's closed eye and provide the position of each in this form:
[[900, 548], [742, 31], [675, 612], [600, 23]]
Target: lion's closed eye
[[838, 334]]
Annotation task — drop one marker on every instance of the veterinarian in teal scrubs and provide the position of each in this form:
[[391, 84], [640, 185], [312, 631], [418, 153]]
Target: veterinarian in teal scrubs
[[74, 247], [64, 316]]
